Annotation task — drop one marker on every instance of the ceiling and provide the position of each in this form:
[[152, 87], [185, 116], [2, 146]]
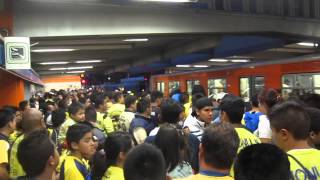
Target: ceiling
[[159, 52], [186, 34]]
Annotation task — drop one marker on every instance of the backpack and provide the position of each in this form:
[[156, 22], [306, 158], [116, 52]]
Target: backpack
[[252, 120]]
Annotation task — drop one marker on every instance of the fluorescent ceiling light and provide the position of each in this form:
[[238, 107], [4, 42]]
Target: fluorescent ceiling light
[[75, 72], [137, 40], [71, 68], [57, 69], [308, 44], [183, 65], [200, 66], [53, 50], [174, 1], [239, 60], [88, 61], [49, 63], [218, 60]]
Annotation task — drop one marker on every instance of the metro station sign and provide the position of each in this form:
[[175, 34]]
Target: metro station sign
[[17, 52]]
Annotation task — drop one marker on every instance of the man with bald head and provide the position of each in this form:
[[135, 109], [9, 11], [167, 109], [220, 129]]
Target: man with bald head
[[32, 119]]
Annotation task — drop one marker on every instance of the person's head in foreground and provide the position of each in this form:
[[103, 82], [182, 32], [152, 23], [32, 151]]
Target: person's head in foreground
[[290, 125], [145, 162], [218, 149], [263, 162], [38, 155]]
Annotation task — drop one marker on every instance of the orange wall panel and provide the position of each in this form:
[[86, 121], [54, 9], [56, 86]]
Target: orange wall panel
[[11, 89], [55, 79]]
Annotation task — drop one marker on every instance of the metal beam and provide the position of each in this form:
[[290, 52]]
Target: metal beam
[[54, 19]]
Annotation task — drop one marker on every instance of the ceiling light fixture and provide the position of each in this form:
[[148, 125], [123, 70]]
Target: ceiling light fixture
[[75, 72], [52, 50], [200, 66], [308, 44], [218, 60], [183, 65], [240, 60], [173, 1], [88, 61], [51, 63], [71, 68], [137, 40]]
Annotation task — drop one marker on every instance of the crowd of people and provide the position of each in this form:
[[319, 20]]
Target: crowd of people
[[98, 134]]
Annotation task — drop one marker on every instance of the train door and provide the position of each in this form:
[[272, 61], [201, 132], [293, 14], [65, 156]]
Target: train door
[[250, 86], [173, 85], [190, 84], [160, 86], [216, 86]]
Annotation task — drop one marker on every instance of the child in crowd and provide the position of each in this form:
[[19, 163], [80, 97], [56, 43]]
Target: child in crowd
[[76, 113], [116, 147], [82, 148]]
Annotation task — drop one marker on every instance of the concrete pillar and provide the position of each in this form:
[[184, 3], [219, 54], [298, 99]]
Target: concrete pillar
[[306, 8], [227, 5], [246, 6], [260, 7], [316, 8]]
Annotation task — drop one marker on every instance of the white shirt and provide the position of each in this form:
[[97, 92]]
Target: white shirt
[[195, 126], [264, 130]]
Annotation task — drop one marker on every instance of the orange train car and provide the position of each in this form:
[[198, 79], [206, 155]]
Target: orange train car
[[246, 80]]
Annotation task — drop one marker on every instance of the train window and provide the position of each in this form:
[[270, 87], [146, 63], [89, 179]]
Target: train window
[[160, 86], [297, 84], [173, 85], [216, 86], [250, 86], [190, 84]]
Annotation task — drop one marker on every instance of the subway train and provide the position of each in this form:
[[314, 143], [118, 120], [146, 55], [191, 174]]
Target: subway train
[[247, 79]]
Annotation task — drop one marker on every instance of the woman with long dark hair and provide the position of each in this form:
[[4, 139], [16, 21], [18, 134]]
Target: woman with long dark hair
[[173, 145], [116, 147]]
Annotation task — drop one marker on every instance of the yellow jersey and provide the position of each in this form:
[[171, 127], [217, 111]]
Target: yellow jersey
[[16, 169], [246, 138], [205, 177], [4, 147], [104, 123], [64, 128], [113, 173], [309, 158], [74, 168]]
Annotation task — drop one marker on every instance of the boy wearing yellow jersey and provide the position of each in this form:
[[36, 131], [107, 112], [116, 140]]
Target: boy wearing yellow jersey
[[76, 112], [290, 126], [232, 109], [100, 104], [82, 148], [217, 151], [7, 126]]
